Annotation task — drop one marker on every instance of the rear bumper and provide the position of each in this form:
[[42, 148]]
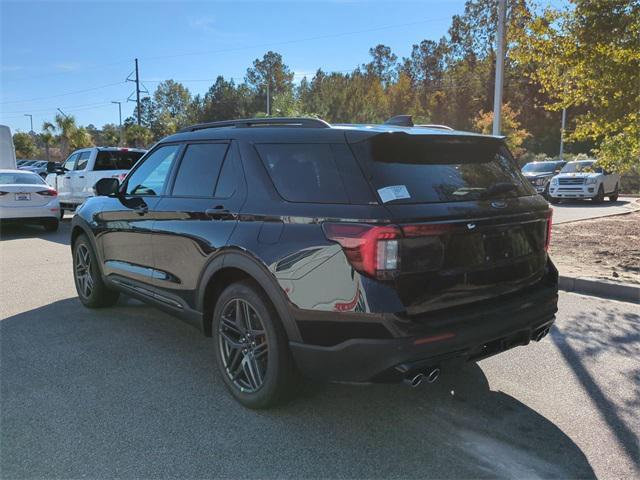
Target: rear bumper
[[50, 210], [471, 333]]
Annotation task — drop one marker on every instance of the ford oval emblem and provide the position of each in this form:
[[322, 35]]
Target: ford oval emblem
[[499, 204]]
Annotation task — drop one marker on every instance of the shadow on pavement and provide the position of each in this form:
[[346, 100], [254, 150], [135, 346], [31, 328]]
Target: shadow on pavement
[[592, 336], [576, 203], [131, 392], [13, 231]]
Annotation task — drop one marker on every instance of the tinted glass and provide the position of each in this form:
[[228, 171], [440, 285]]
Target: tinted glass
[[199, 169], [304, 172], [539, 167], [150, 177], [10, 178], [117, 160], [229, 177], [83, 159], [404, 169]]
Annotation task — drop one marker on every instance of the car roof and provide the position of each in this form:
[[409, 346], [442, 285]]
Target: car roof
[[12, 170], [320, 132]]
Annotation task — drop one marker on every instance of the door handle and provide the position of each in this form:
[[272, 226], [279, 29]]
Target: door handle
[[81, 176], [217, 211], [67, 177]]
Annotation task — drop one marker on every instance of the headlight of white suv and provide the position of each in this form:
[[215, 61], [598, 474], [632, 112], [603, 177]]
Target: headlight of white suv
[[591, 180], [554, 181]]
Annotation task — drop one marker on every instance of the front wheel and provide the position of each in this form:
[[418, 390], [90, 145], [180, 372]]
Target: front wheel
[[614, 196], [251, 347], [91, 289], [599, 198]]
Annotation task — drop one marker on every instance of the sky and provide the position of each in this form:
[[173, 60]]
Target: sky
[[77, 55]]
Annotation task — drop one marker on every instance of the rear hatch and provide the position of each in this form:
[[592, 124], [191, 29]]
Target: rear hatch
[[469, 226]]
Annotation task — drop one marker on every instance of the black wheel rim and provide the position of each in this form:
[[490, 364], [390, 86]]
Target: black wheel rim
[[243, 345], [83, 271]]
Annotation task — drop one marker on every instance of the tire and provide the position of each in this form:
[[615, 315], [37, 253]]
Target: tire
[[51, 225], [599, 198], [253, 358], [61, 213], [92, 291], [614, 196]]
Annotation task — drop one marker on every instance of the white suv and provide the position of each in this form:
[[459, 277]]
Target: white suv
[[584, 179]]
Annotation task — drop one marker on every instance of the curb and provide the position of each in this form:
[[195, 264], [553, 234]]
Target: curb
[[626, 292]]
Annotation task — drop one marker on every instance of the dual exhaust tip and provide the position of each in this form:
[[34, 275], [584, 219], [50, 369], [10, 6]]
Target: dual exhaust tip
[[429, 376], [540, 334]]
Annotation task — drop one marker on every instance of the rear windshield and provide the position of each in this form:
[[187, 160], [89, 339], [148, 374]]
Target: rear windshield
[[539, 167], [20, 179], [116, 160], [421, 169]]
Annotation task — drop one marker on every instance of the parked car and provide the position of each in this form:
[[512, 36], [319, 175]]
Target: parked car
[[584, 179], [26, 198], [7, 149], [363, 253], [540, 174], [75, 178], [36, 166]]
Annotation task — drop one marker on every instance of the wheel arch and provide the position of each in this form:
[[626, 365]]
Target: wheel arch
[[232, 266]]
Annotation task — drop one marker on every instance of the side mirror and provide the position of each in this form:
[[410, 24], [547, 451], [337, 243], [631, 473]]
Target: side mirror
[[599, 170], [106, 186], [52, 167]]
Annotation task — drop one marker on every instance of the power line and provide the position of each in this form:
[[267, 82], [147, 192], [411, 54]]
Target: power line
[[62, 94]]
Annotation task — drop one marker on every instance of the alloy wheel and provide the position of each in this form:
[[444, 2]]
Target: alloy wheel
[[243, 345], [83, 271]]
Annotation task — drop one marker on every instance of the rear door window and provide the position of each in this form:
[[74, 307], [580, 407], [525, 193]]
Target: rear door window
[[407, 169], [314, 173], [199, 170], [116, 159]]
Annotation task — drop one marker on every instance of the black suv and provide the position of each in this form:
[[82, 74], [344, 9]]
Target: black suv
[[344, 252]]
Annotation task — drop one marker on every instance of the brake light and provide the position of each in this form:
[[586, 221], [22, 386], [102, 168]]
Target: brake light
[[371, 250], [48, 193], [547, 240]]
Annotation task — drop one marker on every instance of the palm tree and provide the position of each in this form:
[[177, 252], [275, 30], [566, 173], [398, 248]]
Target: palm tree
[[66, 127], [47, 136]]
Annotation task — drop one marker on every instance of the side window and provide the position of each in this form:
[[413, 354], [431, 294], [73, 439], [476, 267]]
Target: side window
[[71, 161], [199, 169], [150, 177], [83, 159], [229, 176], [304, 172]]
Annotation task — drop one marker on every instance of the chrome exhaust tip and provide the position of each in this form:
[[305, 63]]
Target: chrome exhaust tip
[[540, 334], [414, 381], [433, 375]]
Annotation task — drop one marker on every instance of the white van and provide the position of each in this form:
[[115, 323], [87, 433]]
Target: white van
[[7, 151]]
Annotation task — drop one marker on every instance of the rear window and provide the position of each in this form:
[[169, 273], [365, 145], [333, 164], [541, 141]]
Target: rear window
[[317, 173], [11, 178], [199, 169], [117, 160], [421, 169]]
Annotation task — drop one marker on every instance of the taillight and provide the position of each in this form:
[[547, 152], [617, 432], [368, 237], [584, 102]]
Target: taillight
[[48, 193], [372, 250], [547, 240]]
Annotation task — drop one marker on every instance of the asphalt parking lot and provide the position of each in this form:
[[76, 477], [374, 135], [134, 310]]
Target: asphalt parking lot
[[571, 210], [130, 392]]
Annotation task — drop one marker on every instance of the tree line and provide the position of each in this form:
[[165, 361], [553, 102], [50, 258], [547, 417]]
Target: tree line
[[585, 59]]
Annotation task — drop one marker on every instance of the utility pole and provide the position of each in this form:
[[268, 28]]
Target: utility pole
[[31, 119], [497, 95], [564, 122], [137, 92], [120, 120], [268, 106], [137, 81], [63, 114]]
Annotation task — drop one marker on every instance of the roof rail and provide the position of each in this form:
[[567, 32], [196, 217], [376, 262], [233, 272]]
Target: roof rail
[[438, 127], [301, 122], [400, 121]]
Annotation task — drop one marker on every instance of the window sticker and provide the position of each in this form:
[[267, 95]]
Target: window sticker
[[393, 192]]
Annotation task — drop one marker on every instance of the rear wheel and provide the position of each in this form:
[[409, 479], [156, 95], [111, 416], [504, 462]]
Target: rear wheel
[[51, 225], [599, 198], [614, 196], [91, 289], [251, 347]]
